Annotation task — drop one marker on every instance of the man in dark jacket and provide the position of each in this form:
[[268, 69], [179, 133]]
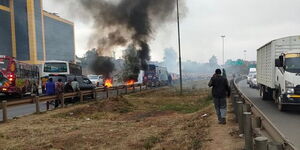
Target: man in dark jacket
[[220, 90]]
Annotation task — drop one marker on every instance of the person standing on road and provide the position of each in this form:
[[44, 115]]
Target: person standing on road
[[75, 85], [220, 90], [68, 88], [170, 79], [224, 73], [50, 87], [35, 89], [59, 88]]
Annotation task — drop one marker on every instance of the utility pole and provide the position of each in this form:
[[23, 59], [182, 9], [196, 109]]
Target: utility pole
[[223, 51], [245, 54], [179, 46]]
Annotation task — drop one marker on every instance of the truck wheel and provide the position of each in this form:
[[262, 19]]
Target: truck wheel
[[277, 96], [280, 106], [265, 95], [260, 90]]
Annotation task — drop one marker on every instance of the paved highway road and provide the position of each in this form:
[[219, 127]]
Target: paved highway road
[[19, 111], [287, 122]]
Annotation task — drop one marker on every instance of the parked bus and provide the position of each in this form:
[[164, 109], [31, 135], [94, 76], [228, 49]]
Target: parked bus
[[18, 78], [60, 68], [55, 67]]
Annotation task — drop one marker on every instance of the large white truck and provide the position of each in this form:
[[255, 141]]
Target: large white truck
[[278, 71]]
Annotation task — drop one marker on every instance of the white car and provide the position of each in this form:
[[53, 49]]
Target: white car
[[253, 82], [97, 80], [250, 76]]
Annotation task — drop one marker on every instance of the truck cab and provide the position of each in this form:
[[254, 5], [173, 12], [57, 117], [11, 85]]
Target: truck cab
[[288, 78]]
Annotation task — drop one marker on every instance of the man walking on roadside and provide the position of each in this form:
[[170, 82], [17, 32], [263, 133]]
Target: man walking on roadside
[[220, 90]]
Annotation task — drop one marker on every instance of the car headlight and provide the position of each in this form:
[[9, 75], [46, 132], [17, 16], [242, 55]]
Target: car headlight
[[289, 87], [290, 90]]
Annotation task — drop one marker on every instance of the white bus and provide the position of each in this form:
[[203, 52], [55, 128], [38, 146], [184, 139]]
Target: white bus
[[61, 68]]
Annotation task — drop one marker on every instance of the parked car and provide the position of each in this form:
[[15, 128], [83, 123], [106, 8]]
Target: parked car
[[253, 82], [84, 82], [97, 80], [250, 76]]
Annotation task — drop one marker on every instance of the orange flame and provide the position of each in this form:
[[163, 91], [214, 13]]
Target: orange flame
[[108, 83], [130, 82]]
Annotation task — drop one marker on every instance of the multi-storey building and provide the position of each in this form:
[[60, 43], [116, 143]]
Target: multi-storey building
[[32, 35]]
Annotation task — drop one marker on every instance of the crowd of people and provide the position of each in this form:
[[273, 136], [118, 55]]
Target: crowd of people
[[59, 87]]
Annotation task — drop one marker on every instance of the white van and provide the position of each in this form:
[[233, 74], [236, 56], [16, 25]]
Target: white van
[[252, 73]]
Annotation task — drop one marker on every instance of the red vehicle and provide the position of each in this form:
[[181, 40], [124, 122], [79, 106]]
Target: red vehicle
[[18, 78]]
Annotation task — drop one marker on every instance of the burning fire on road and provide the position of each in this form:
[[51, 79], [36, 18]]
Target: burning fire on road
[[130, 82], [108, 83]]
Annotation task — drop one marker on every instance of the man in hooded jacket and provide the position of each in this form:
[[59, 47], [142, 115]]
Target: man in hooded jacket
[[220, 90]]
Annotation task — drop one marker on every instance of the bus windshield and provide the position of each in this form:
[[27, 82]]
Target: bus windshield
[[55, 67], [292, 65], [4, 64]]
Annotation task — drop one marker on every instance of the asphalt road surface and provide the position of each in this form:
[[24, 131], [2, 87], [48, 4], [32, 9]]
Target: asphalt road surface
[[28, 109], [287, 122]]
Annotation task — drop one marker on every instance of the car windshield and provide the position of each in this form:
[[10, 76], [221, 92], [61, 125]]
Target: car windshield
[[251, 74], [93, 77], [86, 81], [292, 65], [55, 67], [79, 79]]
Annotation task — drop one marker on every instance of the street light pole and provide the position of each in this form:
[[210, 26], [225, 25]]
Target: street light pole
[[223, 38], [245, 54], [179, 46]]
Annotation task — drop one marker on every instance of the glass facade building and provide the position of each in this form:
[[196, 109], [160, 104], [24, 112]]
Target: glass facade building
[[32, 35]]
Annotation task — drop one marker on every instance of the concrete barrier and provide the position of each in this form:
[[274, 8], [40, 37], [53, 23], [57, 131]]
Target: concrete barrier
[[261, 143]]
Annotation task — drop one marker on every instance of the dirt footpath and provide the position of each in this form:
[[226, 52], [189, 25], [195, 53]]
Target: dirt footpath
[[223, 137]]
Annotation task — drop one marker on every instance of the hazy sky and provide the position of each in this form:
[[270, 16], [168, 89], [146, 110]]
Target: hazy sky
[[247, 24]]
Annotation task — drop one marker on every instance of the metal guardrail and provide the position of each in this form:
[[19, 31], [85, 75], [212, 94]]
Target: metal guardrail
[[36, 99], [268, 136]]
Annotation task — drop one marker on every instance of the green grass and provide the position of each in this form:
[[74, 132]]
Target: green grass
[[182, 108], [187, 107], [150, 142]]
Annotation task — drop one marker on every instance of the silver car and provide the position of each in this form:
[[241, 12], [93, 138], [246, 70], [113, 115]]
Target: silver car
[[97, 80]]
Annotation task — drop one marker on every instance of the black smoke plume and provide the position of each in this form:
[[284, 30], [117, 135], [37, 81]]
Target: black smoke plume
[[127, 23], [132, 64], [102, 65]]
